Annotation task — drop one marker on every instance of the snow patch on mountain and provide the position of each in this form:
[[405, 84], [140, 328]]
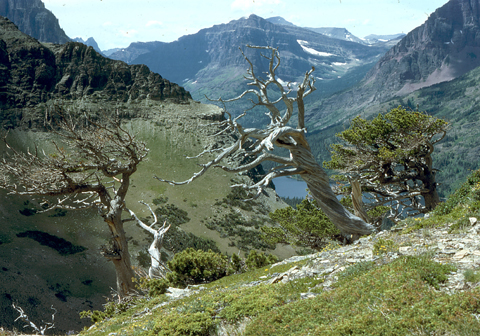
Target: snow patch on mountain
[[313, 51]]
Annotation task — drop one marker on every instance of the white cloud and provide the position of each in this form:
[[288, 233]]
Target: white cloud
[[154, 23], [248, 4], [108, 23]]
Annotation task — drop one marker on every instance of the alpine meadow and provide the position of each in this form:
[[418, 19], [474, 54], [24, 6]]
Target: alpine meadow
[[138, 184]]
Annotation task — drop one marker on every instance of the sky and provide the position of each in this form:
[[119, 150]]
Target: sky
[[117, 23]]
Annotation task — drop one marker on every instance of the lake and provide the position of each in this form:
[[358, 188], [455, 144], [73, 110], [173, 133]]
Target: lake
[[288, 187]]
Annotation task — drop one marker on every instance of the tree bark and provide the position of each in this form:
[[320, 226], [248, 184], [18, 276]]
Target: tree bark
[[120, 257], [358, 201], [432, 199], [319, 185]]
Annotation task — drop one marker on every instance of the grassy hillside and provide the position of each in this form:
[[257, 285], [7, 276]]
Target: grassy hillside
[[419, 279], [37, 275]]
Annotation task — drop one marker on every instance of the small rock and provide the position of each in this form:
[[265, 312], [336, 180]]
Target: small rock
[[448, 251], [472, 220], [403, 249], [461, 254], [328, 270], [307, 295]]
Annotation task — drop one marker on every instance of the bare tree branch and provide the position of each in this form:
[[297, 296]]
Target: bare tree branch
[[157, 268], [24, 317], [87, 155], [256, 143]]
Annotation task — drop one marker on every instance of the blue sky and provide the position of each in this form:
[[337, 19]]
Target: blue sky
[[117, 23]]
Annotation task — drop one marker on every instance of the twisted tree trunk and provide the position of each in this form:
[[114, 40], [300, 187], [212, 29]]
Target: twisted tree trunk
[[357, 200], [256, 143], [319, 185], [120, 257]]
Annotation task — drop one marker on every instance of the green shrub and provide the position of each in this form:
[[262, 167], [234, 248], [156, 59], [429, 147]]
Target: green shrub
[[469, 192], [172, 214], [383, 246], [175, 324], [306, 226], [160, 200], [243, 233], [154, 287], [237, 265], [111, 308], [257, 260], [472, 276], [354, 271], [191, 267]]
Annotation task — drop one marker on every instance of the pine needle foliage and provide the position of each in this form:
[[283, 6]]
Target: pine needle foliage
[[391, 156], [306, 226]]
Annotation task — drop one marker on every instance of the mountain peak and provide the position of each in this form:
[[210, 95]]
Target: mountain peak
[[279, 21], [443, 48], [32, 18]]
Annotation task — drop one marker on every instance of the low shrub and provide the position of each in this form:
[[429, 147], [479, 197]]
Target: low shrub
[[257, 260], [153, 287], [383, 246], [305, 226], [191, 267]]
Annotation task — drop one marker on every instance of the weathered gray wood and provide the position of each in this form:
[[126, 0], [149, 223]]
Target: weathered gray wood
[[279, 133], [97, 152], [157, 268]]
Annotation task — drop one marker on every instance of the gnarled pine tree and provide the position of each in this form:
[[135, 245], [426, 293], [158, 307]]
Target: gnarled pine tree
[[93, 170], [390, 157], [256, 144]]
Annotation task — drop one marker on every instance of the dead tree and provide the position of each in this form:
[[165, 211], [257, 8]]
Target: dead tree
[[90, 167], [39, 329], [157, 268], [256, 144]]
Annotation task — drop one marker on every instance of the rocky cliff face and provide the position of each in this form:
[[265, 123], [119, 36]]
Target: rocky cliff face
[[445, 47], [209, 63], [34, 19], [33, 72]]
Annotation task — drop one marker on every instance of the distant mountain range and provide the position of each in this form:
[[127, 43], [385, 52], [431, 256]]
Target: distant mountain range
[[90, 42], [34, 19], [209, 63], [445, 47]]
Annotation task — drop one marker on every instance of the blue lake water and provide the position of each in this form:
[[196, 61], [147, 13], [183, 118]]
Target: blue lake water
[[288, 187]]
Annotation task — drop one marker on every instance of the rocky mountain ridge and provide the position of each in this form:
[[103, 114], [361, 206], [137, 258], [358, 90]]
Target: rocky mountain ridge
[[34, 19], [210, 62], [33, 72], [443, 48], [90, 42]]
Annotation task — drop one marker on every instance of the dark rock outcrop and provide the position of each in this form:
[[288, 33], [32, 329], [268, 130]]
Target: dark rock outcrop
[[34, 19], [33, 72]]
